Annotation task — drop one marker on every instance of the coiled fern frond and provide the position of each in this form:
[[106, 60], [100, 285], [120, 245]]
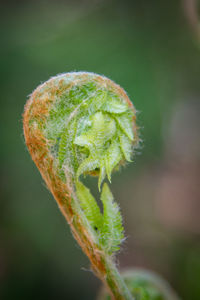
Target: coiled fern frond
[[77, 124]]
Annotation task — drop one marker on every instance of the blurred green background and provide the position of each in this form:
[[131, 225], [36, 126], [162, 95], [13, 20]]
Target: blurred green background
[[150, 48]]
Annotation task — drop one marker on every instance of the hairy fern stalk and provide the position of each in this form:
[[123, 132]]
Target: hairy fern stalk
[[77, 124]]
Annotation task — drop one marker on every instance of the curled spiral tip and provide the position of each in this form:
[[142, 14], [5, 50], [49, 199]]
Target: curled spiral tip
[[86, 122]]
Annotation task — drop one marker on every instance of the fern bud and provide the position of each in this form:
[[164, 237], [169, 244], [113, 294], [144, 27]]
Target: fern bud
[[76, 124], [87, 122]]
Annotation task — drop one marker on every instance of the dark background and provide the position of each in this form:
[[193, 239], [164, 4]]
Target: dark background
[[150, 48]]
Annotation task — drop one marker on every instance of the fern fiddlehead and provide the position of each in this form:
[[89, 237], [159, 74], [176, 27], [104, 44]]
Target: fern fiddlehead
[[77, 124], [83, 123]]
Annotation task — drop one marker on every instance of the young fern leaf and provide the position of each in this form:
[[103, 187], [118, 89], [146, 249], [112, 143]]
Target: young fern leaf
[[89, 205], [126, 146], [124, 122], [112, 229], [62, 147], [109, 225], [78, 124]]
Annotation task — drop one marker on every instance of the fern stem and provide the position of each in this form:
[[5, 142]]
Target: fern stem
[[116, 283]]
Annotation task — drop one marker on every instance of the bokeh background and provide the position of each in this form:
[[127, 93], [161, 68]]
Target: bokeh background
[[152, 49]]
